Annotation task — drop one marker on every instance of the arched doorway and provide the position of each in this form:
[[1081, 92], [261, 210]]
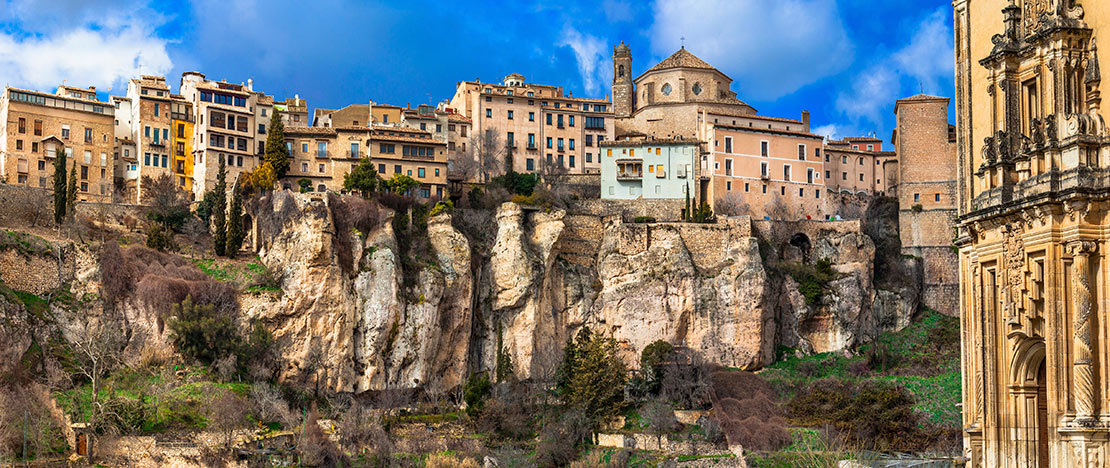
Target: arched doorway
[[1029, 397]]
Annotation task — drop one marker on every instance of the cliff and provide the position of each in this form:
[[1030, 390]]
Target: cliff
[[524, 280]]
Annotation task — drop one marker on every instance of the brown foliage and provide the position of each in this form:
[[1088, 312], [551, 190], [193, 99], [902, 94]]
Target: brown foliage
[[315, 448], [26, 412], [744, 405], [159, 279]]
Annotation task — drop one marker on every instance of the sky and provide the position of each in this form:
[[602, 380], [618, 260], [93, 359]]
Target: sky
[[846, 61]]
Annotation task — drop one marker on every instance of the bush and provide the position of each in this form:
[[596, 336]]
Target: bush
[[202, 333], [158, 238], [306, 183], [746, 410], [517, 183], [445, 460], [875, 414], [475, 392], [315, 448], [660, 417], [812, 280], [651, 363], [643, 219], [441, 207], [561, 440], [508, 414]]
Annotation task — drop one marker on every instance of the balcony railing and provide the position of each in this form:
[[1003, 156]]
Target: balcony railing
[[630, 175]]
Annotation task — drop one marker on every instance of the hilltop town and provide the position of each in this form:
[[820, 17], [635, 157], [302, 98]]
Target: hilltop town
[[384, 266]]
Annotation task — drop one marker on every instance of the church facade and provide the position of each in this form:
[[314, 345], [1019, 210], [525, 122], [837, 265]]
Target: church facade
[[1034, 205]]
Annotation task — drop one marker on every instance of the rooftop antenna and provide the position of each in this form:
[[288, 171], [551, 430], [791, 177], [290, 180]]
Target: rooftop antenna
[[922, 85]]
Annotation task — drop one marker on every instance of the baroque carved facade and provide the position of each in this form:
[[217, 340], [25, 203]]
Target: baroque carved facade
[[1034, 187]]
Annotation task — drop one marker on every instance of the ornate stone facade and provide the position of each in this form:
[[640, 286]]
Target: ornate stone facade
[[1034, 202]]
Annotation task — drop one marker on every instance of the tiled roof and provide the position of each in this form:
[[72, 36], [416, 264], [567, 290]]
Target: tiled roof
[[681, 59], [770, 130], [922, 97], [407, 139], [389, 128], [458, 118]]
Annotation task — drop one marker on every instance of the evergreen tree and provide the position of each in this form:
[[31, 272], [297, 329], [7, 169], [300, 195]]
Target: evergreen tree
[[276, 152], [71, 191], [60, 190], [363, 178], [202, 333], [234, 226], [592, 377], [219, 210]]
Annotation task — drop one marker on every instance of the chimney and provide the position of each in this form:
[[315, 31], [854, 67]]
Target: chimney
[[92, 88], [250, 84], [805, 121]]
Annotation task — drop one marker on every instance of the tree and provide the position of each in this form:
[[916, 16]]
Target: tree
[[71, 192], [306, 183], [732, 204], [362, 178], [401, 184], [166, 203], [202, 333], [277, 154], [219, 210], [60, 185], [32, 204], [234, 226], [96, 347], [591, 376], [264, 177], [487, 151], [227, 413]]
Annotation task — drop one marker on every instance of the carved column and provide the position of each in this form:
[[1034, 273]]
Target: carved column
[[1083, 372], [977, 351]]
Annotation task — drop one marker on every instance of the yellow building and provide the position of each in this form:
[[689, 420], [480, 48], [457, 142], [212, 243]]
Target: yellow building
[[182, 141], [1034, 205]]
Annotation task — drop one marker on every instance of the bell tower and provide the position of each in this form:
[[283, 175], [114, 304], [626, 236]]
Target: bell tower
[[623, 91]]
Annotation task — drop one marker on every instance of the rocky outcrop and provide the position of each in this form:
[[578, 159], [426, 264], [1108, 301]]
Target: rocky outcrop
[[385, 318]]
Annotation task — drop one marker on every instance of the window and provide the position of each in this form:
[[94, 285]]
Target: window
[[146, 159], [728, 144], [386, 148], [355, 153], [321, 149], [156, 109], [596, 122], [571, 143], [763, 148], [424, 126], [304, 148], [571, 158], [304, 167], [589, 140], [38, 128], [936, 197], [843, 160], [843, 176], [870, 147], [381, 168], [531, 116], [65, 132], [510, 115], [570, 120], [22, 125], [786, 173], [530, 164], [549, 142], [861, 177], [916, 197], [817, 152], [321, 170], [589, 157], [396, 168], [19, 144], [764, 188], [420, 172], [289, 147], [489, 112], [801, 152], [437, 172], [531, 141], [728, 167], [34, 147], [763, 170], [560, 144], [261, 128], [860, 161], [809, 176]]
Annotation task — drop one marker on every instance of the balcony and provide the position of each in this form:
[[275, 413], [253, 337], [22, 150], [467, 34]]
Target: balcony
[[531, 146], [321, 154], [630, 175]]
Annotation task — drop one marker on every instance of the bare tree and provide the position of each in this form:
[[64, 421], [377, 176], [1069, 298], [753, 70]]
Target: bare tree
[[227, 413], [268, 404], [33, 205], [488, 152], [732, 204], [97, 351], [316, 361], [778, 210]]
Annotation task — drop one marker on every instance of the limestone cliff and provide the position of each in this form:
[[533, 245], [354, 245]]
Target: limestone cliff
[[540, 278]]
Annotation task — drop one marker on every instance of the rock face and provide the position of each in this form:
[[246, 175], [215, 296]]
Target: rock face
[[539, 278]]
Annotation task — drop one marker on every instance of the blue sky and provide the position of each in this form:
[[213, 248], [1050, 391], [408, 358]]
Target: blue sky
[[846, 61]]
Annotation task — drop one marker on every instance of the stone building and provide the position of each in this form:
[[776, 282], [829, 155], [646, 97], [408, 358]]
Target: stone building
[[35, 125], [314, 153], [413, 152], [926, 190], [858, 165], [293, 111], [756, 161], [181, 141], [644, 168], [538, 124], [150, 122], [1033, 199]]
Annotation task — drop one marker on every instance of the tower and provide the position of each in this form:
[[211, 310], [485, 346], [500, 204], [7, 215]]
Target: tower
[[623, 91]]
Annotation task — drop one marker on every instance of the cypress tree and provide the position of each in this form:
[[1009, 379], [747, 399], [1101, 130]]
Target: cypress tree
[[219, 210], [235, 226], [60, 185], [276, 152], [71, 191]]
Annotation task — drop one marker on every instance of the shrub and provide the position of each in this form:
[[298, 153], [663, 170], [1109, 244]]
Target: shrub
[[508, 414], [703, 214], [517, 183], [158, 238], [306, 183], [360, 429], [314, 447], [202, 333], [475, 392], [643, 219], [812, 280], [875, 414], [445, 460], [591, 376], [660, 417], [651, 363], [561, 440], [744, 405], [441, 207]]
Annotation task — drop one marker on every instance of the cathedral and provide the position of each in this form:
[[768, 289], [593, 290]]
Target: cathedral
[[1034, 206]]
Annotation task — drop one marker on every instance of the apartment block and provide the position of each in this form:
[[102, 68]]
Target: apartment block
[[645, 168], [150, 123], [225, 128], [182, 126], [412, 152], [859, 165], [323, 155], [537, 123], [764, 165], [293, 111], [37, 125]]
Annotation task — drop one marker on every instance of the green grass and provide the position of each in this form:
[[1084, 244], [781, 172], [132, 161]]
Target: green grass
[[24, 243], [253, 277]]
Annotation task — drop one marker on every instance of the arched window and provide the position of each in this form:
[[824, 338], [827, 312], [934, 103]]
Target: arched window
[[667, 89], [620, 71]]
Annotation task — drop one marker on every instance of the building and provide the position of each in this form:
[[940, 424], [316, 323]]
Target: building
[[859, 165], [37, 125], [150, 123], [319, 155], [1033, 195], [537, 124], [225, 128], [293, 111], [926, 190], [772, 165], [181, 141], [644, 168], [399, 150]]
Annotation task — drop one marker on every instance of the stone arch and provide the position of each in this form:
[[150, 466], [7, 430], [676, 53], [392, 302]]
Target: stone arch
[[1029, 404], [802, 243]]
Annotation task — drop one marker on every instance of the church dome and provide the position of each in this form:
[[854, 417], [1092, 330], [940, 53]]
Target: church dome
[[622, 49]]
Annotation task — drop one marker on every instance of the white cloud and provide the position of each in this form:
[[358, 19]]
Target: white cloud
[[592, 57], [920, 66], [830, 131], [80, 51], [770, 49]]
